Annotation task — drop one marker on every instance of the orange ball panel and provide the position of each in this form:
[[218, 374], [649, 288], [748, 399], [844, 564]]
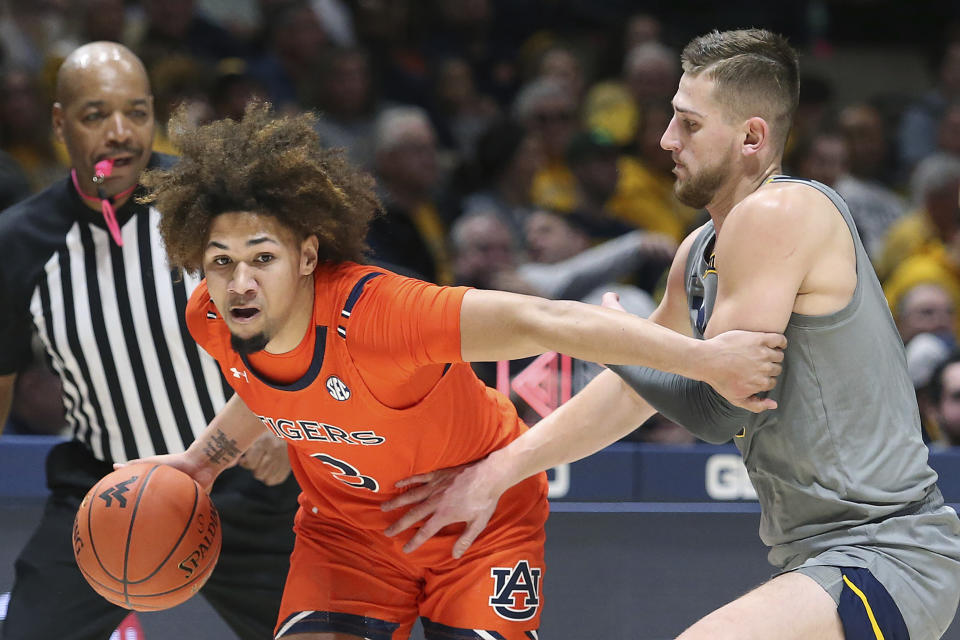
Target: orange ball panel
[[146, 537]]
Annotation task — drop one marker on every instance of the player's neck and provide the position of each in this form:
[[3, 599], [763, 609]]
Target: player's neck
[[729, 196], [299, 322]]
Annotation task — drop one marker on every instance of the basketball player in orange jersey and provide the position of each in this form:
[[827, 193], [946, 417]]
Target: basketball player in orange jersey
[[364, 373]]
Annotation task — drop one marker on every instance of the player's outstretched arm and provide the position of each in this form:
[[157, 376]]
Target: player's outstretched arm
[[496, 325], [470, 493], [219, 447]]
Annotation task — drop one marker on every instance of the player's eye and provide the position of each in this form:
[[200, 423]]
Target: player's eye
[[221, 261], [264, 258]]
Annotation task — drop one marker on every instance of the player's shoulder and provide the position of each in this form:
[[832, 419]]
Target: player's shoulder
[[343, 277], [200, 305], [203, 319], [794, 207]]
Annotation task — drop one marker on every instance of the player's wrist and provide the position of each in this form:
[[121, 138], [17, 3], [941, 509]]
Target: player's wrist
[[198, 463], [505, 468], [694, 359]]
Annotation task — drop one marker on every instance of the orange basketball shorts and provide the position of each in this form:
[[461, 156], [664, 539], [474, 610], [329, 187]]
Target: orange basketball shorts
[[360, 582]]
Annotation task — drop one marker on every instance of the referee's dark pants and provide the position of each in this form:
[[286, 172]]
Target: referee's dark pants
[[52, 601]]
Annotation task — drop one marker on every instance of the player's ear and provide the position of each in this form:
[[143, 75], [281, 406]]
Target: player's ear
[[756, 132], [308, 255]]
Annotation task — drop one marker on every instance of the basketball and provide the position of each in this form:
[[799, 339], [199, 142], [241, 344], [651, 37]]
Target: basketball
[[146, 537]]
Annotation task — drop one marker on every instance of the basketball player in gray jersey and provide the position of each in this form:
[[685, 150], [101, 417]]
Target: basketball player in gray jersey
[[850, 508]]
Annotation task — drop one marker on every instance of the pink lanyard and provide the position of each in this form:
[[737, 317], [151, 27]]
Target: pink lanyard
[[106, 204]]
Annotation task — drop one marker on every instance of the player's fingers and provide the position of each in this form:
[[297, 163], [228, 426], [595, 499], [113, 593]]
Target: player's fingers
[[120, 465], [756, 405], [163, 459], [420, 478], [611, 300], [463, 543], [775, 340], [773, 369], [417, 494], [767, 404], [277, 475], [410, 518], [265, 471], [251, 458], [427, 531]]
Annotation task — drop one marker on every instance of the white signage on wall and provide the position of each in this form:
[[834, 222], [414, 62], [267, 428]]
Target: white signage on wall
[[727, 479]]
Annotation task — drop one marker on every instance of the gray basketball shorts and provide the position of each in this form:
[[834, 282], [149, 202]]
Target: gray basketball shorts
[[917, 564]]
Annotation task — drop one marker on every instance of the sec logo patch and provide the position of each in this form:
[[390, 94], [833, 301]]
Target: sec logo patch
[[338, 389]]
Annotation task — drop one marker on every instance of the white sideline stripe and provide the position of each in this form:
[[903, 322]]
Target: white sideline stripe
[[483, 634], [297, 618]]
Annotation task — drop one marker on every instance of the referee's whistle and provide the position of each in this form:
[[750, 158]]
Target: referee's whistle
[[102, 170]]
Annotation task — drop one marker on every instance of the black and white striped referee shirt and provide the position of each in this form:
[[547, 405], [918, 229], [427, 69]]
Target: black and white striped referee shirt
[[112, 319]]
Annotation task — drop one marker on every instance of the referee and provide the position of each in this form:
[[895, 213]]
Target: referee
[[84, 267]]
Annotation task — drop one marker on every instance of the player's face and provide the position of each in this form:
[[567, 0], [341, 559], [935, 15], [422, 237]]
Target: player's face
[[258, 276], [109, 114], [700, 141]]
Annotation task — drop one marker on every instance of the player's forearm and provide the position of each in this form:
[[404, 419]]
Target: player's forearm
[[228, 435], [594, 333], [602, 413], [497, 327]]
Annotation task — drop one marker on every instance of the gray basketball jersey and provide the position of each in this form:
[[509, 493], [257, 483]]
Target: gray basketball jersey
[[843, 451]]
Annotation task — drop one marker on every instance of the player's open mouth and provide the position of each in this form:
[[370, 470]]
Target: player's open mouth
[[244, 314]]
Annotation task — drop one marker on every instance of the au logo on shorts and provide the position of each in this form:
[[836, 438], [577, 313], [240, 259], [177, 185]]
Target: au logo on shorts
[[516, 591], [338, 389]]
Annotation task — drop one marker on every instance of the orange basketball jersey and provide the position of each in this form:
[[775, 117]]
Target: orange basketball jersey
[[348, 448]]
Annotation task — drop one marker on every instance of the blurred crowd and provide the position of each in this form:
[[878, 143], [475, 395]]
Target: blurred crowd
[[516, 144]]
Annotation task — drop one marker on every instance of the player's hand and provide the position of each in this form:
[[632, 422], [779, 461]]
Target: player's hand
[[203, 474], [267, 459], [447, 496], [742, 364]]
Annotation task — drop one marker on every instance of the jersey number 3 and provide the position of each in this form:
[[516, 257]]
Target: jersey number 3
[[347, 474]]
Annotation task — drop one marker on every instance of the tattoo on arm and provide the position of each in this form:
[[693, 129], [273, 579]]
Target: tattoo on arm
[[220, 449]]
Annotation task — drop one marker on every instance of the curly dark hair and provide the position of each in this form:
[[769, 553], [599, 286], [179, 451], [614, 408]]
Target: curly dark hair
[[263, 164]]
